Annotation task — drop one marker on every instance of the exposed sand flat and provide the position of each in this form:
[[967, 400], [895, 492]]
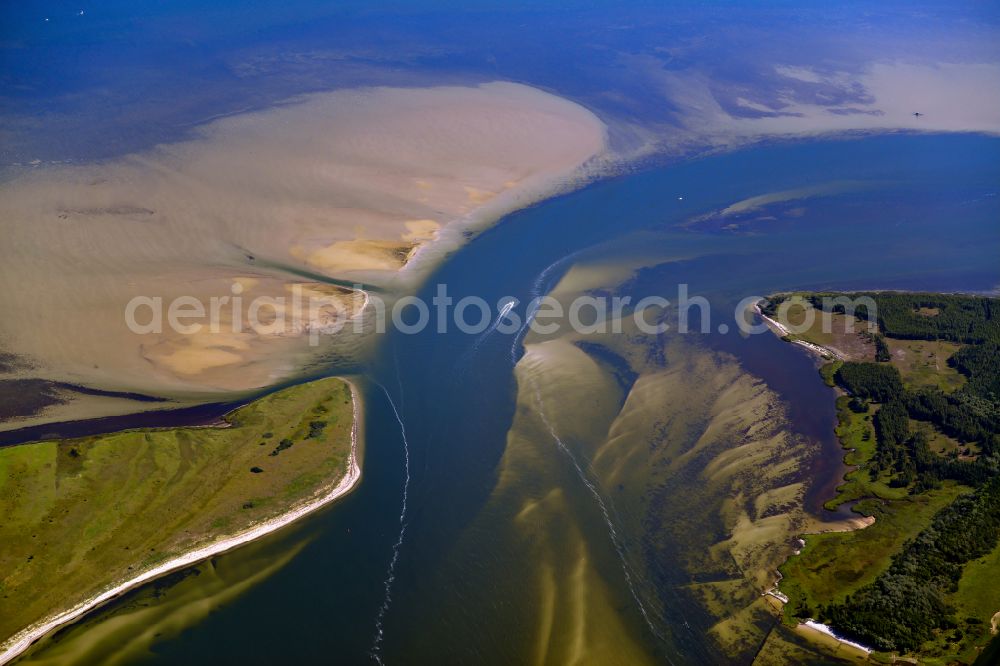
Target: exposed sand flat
[[352, 185], [949, 97], [961, 97]]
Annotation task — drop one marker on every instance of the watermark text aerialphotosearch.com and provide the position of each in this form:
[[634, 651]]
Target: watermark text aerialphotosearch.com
[[308, 312]]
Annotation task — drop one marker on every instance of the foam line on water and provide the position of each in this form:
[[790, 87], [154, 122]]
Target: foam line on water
[[536, 289], [536, 292], [376, 651], [612, 532]]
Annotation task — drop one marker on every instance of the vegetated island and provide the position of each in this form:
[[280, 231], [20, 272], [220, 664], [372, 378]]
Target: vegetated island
[[919, 414], [83, 520]]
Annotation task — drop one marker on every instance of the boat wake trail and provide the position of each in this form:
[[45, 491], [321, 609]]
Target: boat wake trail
[[612, 532], [508, 305], [376, 651], [464, 362], [536, 292]]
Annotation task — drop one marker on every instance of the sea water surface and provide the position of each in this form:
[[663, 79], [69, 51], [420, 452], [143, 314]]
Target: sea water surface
[[374, 577]]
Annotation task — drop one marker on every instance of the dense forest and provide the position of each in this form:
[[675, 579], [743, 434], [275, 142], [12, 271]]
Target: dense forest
[[981, 364], [898, 450], [870, 381], [965, 319], [908, 603]]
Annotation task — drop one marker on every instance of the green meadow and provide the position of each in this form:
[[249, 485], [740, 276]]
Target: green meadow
[[918, 420], [80, 515]]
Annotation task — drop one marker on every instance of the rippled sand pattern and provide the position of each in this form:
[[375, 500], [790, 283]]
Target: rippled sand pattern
[[682, 455]]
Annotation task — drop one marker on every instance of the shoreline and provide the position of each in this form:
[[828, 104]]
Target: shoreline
[[775, 590], [454, 235], [21, 641], [816, 349], [827, 631], [34, 427]]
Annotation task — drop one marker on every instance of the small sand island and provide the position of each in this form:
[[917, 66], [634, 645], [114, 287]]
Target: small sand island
[[917, 415], [87, 519]]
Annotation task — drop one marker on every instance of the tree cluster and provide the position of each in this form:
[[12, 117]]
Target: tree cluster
[[870, 381], [981, 364], [908, 602], [901, 452], [958, 318]]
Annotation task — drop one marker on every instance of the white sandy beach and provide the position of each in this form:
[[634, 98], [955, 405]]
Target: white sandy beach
[[819, 350], [24, 639], [823, 629]]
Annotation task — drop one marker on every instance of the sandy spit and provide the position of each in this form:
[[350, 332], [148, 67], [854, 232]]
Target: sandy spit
[[24, 639], [784, 332]]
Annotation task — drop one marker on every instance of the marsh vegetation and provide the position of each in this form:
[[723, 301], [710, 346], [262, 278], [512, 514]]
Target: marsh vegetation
[[922, 430]]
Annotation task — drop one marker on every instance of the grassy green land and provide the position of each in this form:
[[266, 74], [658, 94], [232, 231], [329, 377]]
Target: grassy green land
[[832, 567], [830, 330], [835, 564], [77, 515], [857, 435], [925, 363]]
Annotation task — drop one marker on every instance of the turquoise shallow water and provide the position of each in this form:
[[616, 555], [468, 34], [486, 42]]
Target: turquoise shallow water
[[922, 213]]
